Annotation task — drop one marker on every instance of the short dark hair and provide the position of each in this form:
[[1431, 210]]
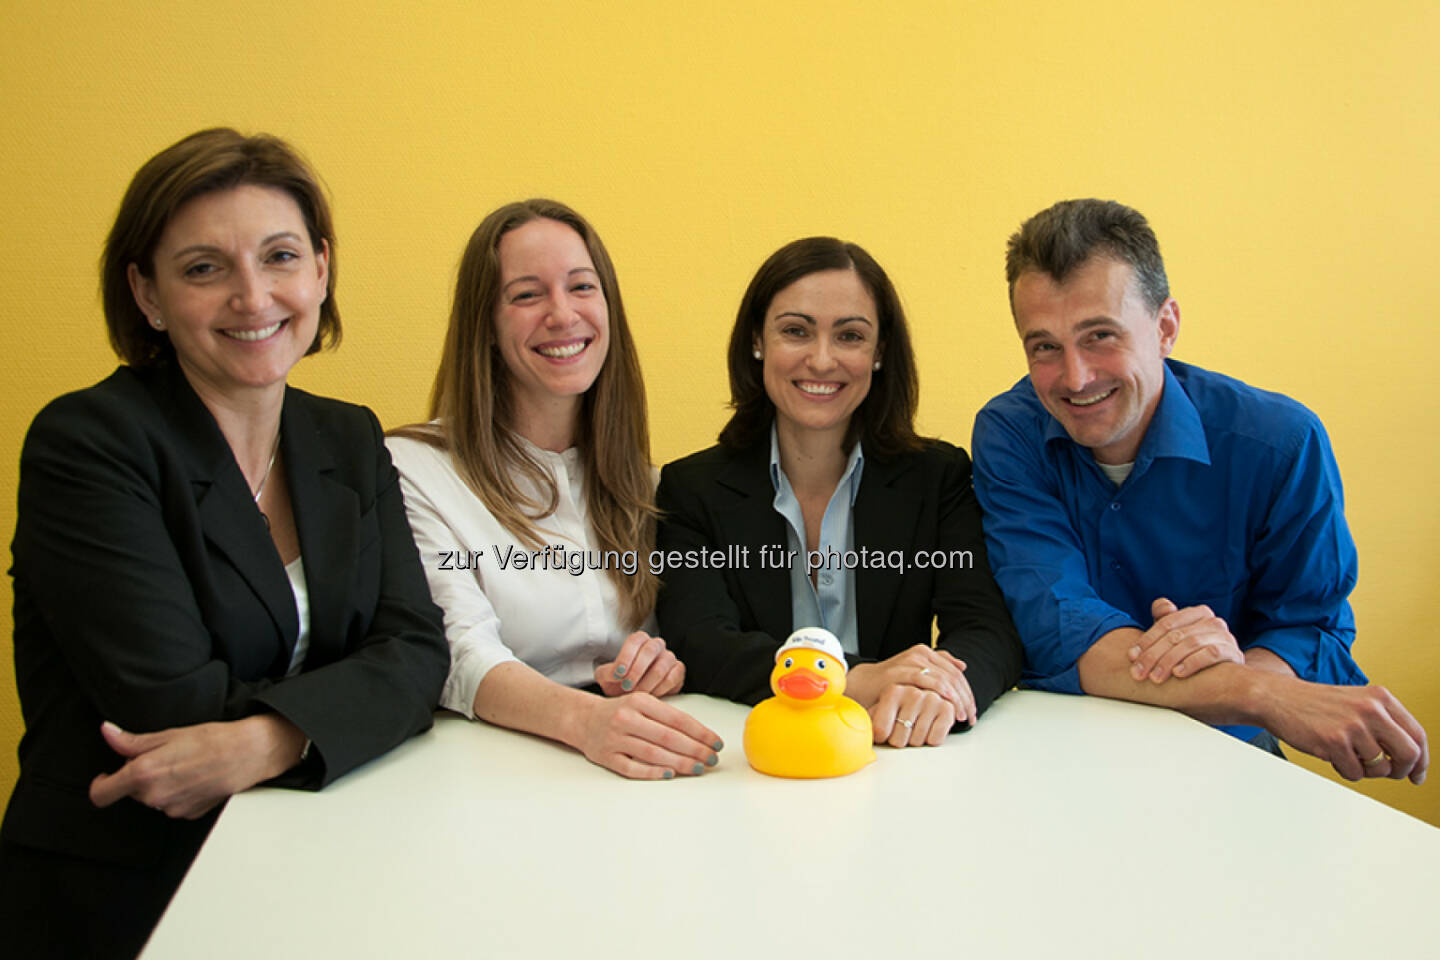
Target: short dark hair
[[1056, 241], [204, 162], [885, 419]]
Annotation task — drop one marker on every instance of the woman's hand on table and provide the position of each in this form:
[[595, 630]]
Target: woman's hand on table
[[907, 716], [921, 668], [185, 771], [643, 665], [642, 738]]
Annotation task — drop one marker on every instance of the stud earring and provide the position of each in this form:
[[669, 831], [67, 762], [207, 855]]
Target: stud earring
[[877, 364], [157, 323], [757, 354]]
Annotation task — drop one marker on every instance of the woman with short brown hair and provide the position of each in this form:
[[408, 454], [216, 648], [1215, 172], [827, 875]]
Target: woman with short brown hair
[[214, 582]]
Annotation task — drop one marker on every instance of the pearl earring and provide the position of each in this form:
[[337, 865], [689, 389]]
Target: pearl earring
[[877, 364], [157, 323], [757, 354]]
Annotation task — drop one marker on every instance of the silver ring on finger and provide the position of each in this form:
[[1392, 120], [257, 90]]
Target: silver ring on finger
[[925, 671], [907, 724]]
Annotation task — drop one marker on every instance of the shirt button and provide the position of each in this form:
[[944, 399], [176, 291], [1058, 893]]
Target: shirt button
[[1115, 505], [827, 579]]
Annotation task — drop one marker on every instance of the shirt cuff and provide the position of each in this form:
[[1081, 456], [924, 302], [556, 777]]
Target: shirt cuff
[[467, 668], [1314, 654]]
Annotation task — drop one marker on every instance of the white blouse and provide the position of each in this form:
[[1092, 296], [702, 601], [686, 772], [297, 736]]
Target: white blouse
[[541, 610], [295, 570]]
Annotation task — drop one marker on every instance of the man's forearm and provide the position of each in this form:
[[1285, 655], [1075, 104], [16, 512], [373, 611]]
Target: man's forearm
[[1224, 693], [1361, 731]]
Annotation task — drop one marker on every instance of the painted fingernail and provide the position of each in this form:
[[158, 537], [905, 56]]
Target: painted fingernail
[[627, 684], [698, 769], [719, 744], [1134, 652], [620, 669], [711, 760], [668, 775]]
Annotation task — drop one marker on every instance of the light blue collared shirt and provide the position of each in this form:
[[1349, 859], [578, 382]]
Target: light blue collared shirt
[[829, 602]]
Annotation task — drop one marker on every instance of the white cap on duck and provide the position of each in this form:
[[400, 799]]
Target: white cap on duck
[[814, 638]]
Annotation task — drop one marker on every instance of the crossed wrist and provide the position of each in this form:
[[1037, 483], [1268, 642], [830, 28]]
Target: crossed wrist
[[281, 742], [1263, 696], [576, 722], [857, 685]]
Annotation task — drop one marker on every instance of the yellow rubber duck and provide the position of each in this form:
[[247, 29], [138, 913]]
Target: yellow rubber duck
[[809, 728]]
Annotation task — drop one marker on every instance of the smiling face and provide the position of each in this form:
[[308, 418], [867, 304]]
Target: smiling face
[[552, 323], [819, 345], [1096, 353], [237, 287]]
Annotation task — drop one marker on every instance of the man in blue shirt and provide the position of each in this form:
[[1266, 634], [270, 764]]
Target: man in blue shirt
[[1165, 534]]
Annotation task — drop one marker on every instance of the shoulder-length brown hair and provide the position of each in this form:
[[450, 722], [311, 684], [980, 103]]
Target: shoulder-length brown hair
[[204, 162], [473, 402], [885, 419]]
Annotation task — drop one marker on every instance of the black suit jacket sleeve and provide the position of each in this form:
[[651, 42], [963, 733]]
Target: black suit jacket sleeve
[[974, 623], [381, 682]]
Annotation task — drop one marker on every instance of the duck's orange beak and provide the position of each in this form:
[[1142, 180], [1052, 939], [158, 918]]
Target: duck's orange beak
[[803, 684]]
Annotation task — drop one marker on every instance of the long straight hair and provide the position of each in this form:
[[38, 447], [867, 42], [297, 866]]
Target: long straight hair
[[473, 402]]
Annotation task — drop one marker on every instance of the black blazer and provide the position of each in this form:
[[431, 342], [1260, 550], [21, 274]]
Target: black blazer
[[148, 593], [725, 625]]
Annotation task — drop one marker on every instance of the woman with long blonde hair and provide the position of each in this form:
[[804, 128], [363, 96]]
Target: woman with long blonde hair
[[530, 493]]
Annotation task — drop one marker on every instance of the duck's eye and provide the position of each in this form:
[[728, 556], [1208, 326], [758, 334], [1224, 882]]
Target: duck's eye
[[819, 663], [789, 663]]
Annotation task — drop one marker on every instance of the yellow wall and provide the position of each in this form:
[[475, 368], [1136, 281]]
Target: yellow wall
[[1289, 160]]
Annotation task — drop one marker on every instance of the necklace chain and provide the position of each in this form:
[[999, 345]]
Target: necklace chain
[[274, 449]]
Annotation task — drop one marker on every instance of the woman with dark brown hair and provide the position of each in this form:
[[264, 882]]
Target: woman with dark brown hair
[[851, 521], [530, 493], [214, 582]]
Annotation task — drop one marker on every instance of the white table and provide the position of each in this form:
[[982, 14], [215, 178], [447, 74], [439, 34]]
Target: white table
[[1060, 827]]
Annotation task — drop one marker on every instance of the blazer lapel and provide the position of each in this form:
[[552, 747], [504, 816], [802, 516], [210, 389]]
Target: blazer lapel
[[747, 517], [228, 516], [886, 511], [326, 517]]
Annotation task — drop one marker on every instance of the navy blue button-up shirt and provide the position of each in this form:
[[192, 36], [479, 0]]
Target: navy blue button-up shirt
[[1234, 501]]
